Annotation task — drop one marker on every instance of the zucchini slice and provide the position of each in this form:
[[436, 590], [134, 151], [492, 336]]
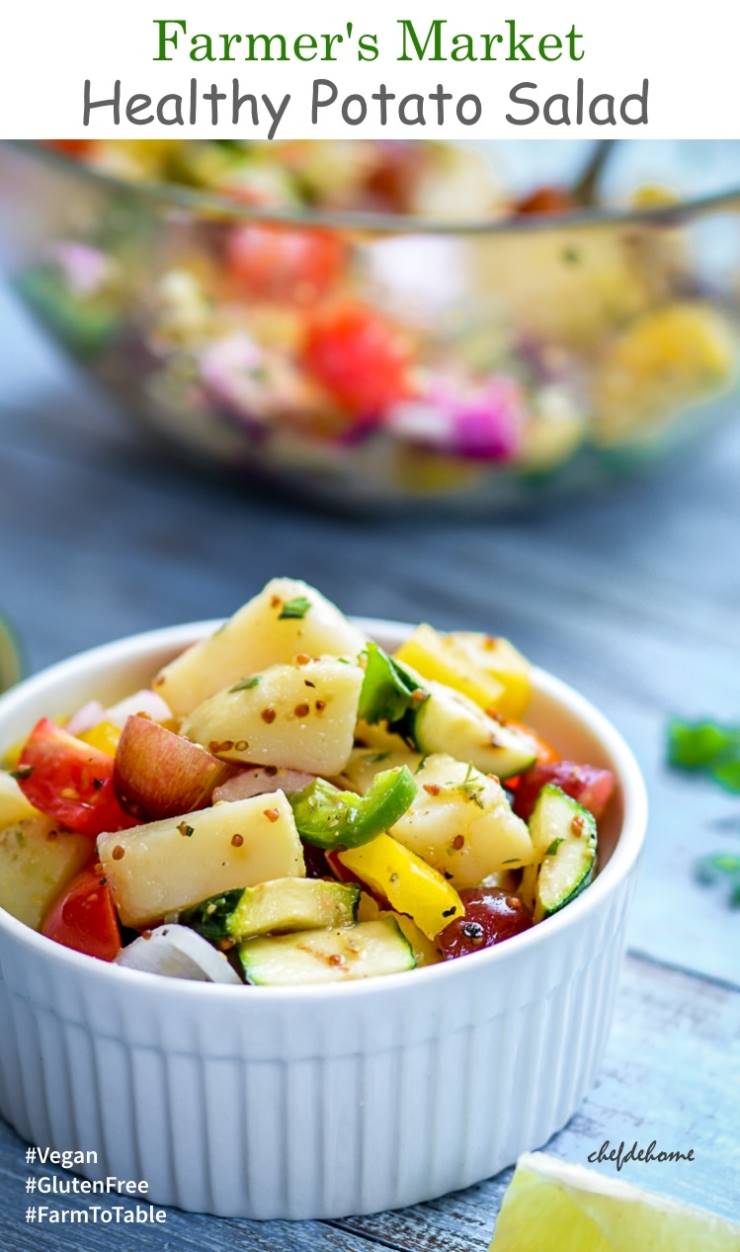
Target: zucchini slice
[[285, 904], [367, 950], [565, 837], [449, 722]]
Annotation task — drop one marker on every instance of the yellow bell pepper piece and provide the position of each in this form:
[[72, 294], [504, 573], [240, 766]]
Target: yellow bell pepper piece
[[408, 883], [425, 952], [666, 360], [489, 671], [104, 737]]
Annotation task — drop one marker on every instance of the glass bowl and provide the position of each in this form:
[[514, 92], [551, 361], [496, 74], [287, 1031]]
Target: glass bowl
[[366, 358]]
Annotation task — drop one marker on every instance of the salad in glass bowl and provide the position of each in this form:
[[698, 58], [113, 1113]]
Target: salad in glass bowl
[[379, 321], [288, 804]]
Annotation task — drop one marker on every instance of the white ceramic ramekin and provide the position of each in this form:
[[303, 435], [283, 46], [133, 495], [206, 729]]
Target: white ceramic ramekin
[[314, 1102]]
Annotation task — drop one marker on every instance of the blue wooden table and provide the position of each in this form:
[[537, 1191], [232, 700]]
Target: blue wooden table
[[634, 598]]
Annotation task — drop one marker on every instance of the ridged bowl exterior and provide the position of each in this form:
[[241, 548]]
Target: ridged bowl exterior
[[314, 1103]]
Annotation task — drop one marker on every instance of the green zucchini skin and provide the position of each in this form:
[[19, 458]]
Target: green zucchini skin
[[433, 718], [565, 837], [213, 918], [367, 950], [285, 904]]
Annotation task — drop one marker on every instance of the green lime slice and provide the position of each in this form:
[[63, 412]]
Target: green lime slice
[[11, 667]]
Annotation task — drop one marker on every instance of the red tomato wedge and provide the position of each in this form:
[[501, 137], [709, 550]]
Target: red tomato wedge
[[70, 781], [546, 200], [358, 357], [280, 262], [75, 147], [84, 918], [588, 784]]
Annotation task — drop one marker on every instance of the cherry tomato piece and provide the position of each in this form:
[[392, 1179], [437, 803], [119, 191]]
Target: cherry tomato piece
[[589, 785], [84, 918], [74, 147], [280, 263], [70, 781], [545, 200], [358, 357], [491, 916]]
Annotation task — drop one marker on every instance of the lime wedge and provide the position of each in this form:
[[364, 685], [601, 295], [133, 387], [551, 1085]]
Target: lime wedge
[[551, 1206], [11, 668]]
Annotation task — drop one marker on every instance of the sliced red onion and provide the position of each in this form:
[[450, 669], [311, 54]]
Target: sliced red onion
[[85, 718], [257, 782], [483, 422], [178, 952], [144, 701], [85, 269]]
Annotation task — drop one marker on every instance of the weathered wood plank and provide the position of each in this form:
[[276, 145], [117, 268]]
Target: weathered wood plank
[[670, 1075]]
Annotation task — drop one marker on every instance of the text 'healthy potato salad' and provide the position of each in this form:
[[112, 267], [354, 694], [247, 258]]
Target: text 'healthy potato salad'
[[288, 804]]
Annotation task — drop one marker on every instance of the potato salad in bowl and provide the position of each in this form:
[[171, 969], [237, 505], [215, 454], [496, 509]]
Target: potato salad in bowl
[[289, 804]]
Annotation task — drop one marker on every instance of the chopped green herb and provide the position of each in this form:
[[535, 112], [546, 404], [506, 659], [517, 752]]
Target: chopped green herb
[[706, 747], [187, 831], [571, 256], [295, 608], [554, 847], [711, 869], [246, 684], [727, 774], [471, 787]]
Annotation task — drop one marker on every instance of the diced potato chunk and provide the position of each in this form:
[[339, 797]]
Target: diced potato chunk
[[286, 619], [460, 820], [300, 716], [364, 763], [407, 882], [167, 866], [14, 807], [36, 862], [488, 670]]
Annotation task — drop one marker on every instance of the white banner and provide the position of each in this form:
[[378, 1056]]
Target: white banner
[[532, 69]]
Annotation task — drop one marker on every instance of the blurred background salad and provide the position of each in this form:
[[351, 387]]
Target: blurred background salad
[[388, 321]]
